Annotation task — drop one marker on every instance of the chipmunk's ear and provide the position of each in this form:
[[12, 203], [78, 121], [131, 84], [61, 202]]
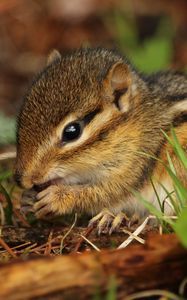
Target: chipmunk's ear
[[53, 56], [117, 84]]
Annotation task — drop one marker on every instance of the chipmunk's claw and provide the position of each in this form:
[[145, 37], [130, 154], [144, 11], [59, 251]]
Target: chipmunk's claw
[[135, 219], [107, 222], [102, 221], [117, 222]]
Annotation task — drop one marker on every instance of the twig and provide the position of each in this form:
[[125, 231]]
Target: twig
[[90, 243], [17, 247], [40, 248], [7, 155], [48, 245], [67, 233], [182, 287], [7, 248], [135, 233], [2, 213], [137, 238], [86, 234], [28, 249]]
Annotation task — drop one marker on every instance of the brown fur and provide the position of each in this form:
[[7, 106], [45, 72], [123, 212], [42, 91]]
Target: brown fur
[[100, 169]]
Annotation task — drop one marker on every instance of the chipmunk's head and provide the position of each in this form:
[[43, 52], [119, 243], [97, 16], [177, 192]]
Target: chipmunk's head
[[71, 120]]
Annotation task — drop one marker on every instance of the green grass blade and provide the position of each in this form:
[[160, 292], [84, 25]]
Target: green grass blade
[[180, 227], [5, 175], [156, 194], [170, 163], [112, 289], [177, 189], [172, 200], [9, 207], [176, 147], [150, 207], [181, 190]]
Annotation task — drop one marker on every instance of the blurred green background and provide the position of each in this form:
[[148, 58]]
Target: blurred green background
[[152, 34]]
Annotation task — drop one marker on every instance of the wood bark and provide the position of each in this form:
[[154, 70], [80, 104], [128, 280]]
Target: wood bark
[[14, 236], [160, 263]]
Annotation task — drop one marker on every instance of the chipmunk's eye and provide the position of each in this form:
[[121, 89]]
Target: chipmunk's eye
[[72, 131]]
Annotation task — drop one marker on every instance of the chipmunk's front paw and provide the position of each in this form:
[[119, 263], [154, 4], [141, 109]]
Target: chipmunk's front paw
[[26, 201], [107, 222], [49, 201]]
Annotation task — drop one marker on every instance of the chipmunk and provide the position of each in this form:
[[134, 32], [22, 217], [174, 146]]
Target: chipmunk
[[83, 128]]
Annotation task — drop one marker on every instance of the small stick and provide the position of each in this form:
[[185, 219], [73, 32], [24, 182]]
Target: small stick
[[67, 233], [135, 233], [7, 248], [49, 244], [137, 238], [7, 155], [17, 247], [81, 240], [90, 243], [2, 214]]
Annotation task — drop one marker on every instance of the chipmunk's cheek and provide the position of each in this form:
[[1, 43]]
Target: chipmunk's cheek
[[49, 201]]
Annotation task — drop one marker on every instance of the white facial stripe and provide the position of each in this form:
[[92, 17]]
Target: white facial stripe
[[99, 120], [180, 107], [55, 137]]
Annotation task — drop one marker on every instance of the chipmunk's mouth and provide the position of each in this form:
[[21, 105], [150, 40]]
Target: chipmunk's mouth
[[58, 181]]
